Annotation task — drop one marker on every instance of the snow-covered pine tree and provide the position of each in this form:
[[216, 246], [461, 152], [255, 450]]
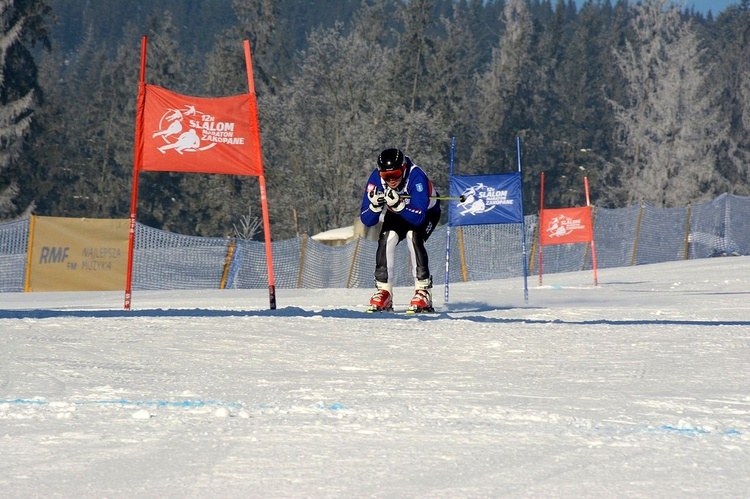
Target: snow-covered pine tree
[[15, 113], [669, 125], [499, 86]]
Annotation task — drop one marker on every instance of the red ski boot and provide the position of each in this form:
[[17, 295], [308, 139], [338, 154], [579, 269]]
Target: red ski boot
[[382, 300], [422, 302]]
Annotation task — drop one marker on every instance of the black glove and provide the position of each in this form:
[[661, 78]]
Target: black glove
[[377, 200], [394, 201]]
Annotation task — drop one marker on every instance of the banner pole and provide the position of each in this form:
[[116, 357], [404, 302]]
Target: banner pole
[[261, 179], [448, 227], [137, 160], [523, 228], [541, 218], [591, 226], [441, 198]]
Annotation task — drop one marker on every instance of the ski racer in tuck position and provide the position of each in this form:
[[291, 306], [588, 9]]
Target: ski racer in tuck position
[[399, 194]]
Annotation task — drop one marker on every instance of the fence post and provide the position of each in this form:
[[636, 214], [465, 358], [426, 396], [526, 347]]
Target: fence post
[[462, 253], [227, 263], [303, 252]]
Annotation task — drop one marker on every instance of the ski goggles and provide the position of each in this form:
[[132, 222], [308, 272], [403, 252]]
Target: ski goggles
[[392, 175]]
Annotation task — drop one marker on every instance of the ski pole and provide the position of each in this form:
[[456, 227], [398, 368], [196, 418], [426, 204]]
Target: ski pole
[[442, 198]]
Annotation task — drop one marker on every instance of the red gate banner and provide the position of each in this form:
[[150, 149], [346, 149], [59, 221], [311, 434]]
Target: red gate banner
[[566, 225], [199, 135], [179, 133]]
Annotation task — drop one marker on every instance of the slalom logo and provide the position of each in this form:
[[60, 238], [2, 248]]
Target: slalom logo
[[481, 198], [562, 226], [188, 130]]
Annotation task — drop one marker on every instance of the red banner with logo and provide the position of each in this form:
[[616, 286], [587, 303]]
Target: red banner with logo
[[566, 225], [195, 134]]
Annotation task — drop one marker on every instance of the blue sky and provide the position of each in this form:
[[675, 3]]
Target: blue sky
[[714, 6], [704, 6]]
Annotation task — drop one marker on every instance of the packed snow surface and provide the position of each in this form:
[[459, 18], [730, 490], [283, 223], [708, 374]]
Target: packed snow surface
[[637, 387]]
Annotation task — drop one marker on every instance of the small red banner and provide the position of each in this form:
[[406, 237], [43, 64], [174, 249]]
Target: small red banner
[[566, 225]]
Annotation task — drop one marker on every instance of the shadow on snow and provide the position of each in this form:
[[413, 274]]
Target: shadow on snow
[[459, 312]]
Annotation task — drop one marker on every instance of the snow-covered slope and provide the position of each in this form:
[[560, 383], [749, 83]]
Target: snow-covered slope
[[639, 387]]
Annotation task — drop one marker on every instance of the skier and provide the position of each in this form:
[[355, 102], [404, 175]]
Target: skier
[[398, 192]]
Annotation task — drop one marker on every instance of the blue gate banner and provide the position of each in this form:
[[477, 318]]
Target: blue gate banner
[[486, 199]]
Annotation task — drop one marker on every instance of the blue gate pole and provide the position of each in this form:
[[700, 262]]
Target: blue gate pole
[[448, 228], [523, 229]]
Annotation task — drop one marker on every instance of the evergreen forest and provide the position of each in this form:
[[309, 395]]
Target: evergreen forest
[[648, 100]]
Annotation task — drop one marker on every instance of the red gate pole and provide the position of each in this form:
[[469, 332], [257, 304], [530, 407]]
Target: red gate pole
[[591, 228], [261, 178], [541, 217], [137, 159]]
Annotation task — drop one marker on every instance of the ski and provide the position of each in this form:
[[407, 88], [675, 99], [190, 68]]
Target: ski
[[408, 311], [377, 310], [420, 310]]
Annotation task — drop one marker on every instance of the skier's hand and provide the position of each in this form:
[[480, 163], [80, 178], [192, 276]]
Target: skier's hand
[[394, 201], [377, 200]]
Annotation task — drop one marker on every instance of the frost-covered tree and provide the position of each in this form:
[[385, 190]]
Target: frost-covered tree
[[731, 75], [456, 60], [328, 125], [16, 108], [324, 127], [413, 50], [23, 26], [258, 22], [228, 197], [669, 126], [499, 87]]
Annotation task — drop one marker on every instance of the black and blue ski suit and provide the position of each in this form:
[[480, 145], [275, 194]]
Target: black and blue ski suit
[[414, 223]]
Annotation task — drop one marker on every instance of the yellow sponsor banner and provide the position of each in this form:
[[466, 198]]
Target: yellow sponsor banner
[[77, 254]]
